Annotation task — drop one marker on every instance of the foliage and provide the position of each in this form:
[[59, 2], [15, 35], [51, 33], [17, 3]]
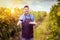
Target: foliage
[[54, 23], [38, 15], [8, 21], [41, 31]]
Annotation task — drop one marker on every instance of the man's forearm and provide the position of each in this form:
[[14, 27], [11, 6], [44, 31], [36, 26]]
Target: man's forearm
[[19, 23]]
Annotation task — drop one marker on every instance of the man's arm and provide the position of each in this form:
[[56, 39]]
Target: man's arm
[[33, 21], [20, 20]]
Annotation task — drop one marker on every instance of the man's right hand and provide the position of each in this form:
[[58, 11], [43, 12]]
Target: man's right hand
[[19, 22]]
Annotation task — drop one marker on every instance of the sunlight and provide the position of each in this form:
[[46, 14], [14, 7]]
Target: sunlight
[[12, 10]]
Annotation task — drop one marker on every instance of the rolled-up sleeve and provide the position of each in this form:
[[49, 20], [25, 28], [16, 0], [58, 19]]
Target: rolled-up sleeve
[[21, 18], [32, 17]]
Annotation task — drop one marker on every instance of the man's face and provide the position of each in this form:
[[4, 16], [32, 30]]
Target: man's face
[[26, 10]]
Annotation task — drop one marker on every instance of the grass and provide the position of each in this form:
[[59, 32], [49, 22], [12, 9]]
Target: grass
[[41, 30]]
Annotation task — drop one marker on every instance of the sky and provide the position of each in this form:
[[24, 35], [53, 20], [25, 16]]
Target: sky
[[36, 5]]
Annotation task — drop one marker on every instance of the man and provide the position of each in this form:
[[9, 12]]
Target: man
[[27, 24]]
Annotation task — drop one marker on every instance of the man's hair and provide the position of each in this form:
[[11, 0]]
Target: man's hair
[[26, 6]]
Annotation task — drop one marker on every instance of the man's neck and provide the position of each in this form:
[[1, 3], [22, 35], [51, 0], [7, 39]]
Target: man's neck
[[26, 13]]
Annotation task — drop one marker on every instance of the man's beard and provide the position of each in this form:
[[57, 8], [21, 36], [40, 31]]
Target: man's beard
[[26, 12]]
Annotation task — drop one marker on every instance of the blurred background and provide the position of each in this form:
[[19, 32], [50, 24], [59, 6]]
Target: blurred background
[[45, 12]]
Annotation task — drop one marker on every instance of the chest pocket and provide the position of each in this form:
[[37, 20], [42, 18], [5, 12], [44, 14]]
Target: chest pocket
[[26, 22]]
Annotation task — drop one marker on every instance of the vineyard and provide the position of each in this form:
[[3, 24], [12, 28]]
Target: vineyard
[[48, 23]]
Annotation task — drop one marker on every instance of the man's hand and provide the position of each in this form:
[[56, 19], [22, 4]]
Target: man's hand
[[19, 22], [34, 23]]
